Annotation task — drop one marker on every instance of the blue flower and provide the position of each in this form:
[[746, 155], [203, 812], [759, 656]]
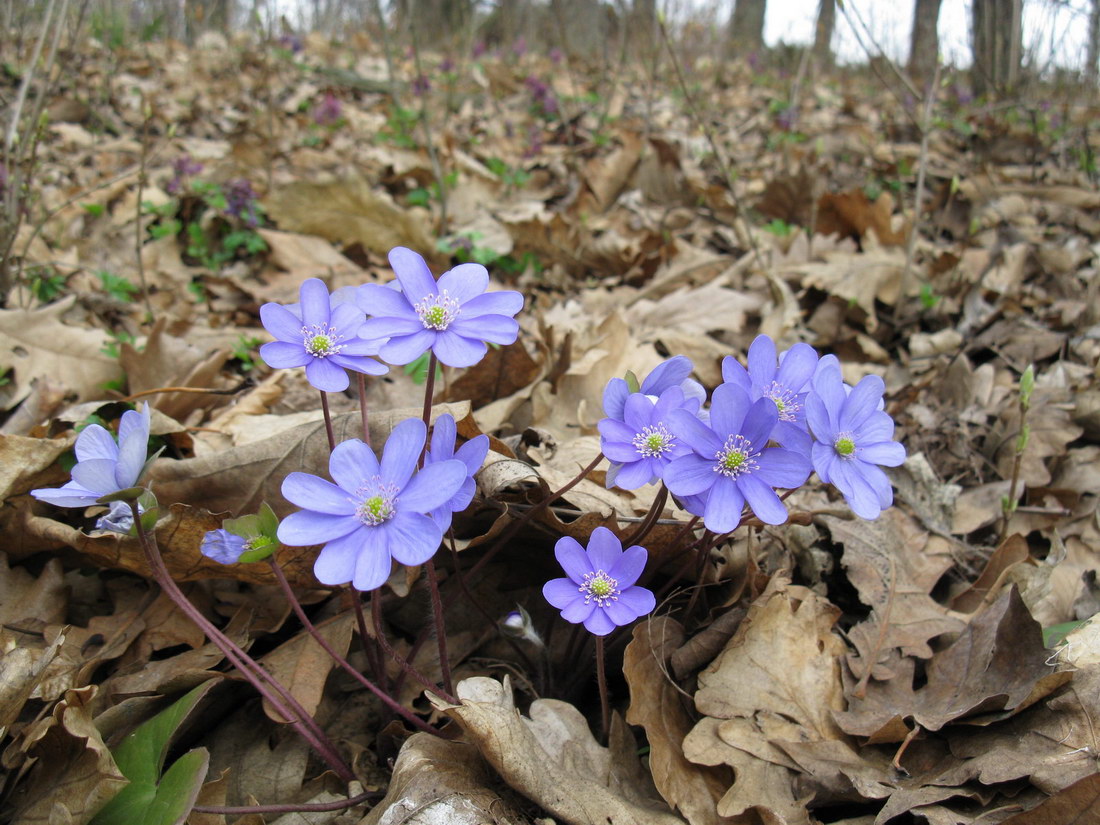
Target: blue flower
[[104, 467], [471, 454], [853, 440], [454, 318], [600, 590], [641, 445], [787, 385], [223, 547], [731, 464], [318, 334], [674, 372], [374, 512]]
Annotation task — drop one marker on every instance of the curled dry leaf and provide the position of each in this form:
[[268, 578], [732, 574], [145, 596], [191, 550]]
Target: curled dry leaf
[[302, 665], [550, 756]]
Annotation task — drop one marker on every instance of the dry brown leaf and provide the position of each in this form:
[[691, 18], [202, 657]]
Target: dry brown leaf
[[37, 342], [550, 756], [1077, 804], [303, 666], [852, 214], [861, 279], [21, 459], [657, 704]]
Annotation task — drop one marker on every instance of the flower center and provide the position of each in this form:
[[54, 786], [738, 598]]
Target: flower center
[[437, 311], [600, 588], [321, 340], [736, 458], [376, 502], [845, 445], [653, 441], [786, 402]]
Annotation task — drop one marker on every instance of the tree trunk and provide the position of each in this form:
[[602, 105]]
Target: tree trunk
[[643, 26], [746, 27], [1093, 57], [924, 40], [823, 32], [998, 45]]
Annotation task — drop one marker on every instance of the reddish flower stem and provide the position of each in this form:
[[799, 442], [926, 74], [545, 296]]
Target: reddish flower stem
[[361, 386], [328, 421], [406, 665], [278, 696], [601, 679]]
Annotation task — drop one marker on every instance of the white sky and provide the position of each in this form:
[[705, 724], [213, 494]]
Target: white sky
[[1057, 29]]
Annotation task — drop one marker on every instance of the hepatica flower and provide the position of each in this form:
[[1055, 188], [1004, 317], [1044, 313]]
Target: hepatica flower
[[319, 335], [374, 512], [730, 463], [785, 380], [599, 589], [853, 440], [104, 467], [453, 317], [471, 454], [641, 445]]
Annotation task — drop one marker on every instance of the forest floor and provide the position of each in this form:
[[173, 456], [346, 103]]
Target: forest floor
[[932, 665]]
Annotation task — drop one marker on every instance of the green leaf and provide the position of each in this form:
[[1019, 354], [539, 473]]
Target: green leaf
[[140, 756], [1056, 634], [178, 789]]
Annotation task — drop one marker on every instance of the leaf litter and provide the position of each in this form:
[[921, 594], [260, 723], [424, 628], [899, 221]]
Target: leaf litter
[[830, 670]]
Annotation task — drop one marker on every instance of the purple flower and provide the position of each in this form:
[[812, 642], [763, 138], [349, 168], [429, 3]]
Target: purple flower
[[421, 85], [641, 444], [675, 372], [453, 318], [223, 547], [787, 385], [446, 65], [731, 464], [240, 201], [471, 454], [119, 518], [600, 589], [556, 56], [480, 48], [519, 47], [852, 437], [183, 167], [318, 334], [329, 111], [104, 467], [374, 512]]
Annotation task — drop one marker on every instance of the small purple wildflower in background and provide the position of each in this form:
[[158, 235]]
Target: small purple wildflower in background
[[786, 384], [853, 437], [183, 168], [446, 65], [374, 512], [556, 56], [328, 111], [542, 96], [453, 317], [731, 464], [471, 454], [519, 48], [291, 42], [319, 335], [479, 50], [534, 142], [421, 85], [600, 588], [240, 201], [104, 467]]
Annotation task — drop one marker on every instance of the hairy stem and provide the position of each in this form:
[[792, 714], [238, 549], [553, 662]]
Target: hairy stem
[[328, 421], [601, 679]]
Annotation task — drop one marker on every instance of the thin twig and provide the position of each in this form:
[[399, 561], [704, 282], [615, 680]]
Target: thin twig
[[286, 808]]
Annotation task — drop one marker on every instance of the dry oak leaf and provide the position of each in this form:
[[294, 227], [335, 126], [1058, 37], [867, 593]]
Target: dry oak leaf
[[74, 775], [778, 680], [550, 756], [894, 565], [656, 704], [861, 278], [36, 342], [995, 668], [1078, 804], [303, 666]]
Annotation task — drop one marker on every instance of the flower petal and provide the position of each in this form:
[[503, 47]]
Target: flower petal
[[613, 430], [783, 468], [412, 273], [690, 475], [638, 412], [455, 351], [405, 349], [629, 566], [734, 373], [578, 611], [473, 453], [496, 329], [95, 442], [861, 403], [326, 376], [345, 318], [561, 592], [351, 465], [620, 451], [433, 486], [829, 386], [886, 453], [412, 538], [97, 475], [694, 433], [759, 422], [614, 398], [444, 433], [635, 474], [506, 302], [464, 282], [604, 549], [723, 507], [69, 495], [728, 407], [283, 355], [384, 301], [358, 363], [640, 600], [762, 499], [667, 374], [402, 453], [817, 417], [316, 494], [762, 360], [281, 322], [793, 437], [823, 456], [858, 492], [336, 562], [572, 558], [388, 326], [316, 307], [878, 427], [306, 527], [796, 367], [880, 483], [599, 623]]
